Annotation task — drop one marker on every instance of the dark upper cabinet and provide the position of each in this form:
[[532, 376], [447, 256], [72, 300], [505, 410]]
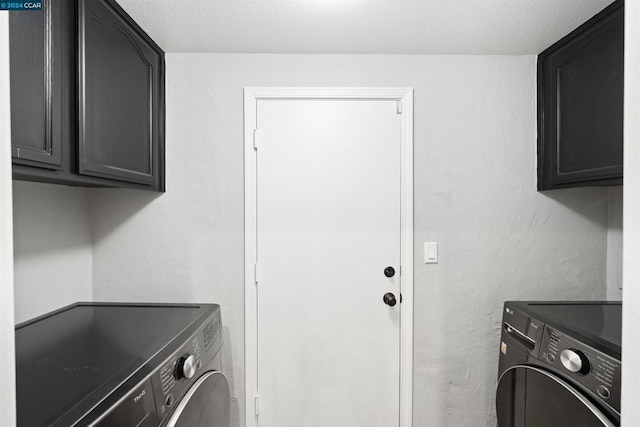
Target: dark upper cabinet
[[87, 97], [36, 61], [580, 105], [120, 96]]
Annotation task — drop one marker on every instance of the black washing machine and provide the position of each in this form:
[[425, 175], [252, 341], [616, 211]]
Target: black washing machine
[[560, 364], [108, 365]]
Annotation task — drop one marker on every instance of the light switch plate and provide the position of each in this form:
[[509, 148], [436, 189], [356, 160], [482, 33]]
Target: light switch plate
[[431, 252]]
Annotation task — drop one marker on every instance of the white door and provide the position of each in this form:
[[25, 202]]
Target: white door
[[328, 223]]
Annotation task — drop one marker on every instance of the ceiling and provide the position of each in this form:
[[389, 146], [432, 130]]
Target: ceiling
[[511, 27]]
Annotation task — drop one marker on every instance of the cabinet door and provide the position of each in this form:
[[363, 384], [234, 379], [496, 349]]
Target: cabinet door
[[581, 85], [120, 95], [36, 88]]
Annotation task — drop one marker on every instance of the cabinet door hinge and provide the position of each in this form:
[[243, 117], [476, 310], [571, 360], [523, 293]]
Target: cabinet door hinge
[[255, 139], [398, 107], [256, 404], [255, 273]]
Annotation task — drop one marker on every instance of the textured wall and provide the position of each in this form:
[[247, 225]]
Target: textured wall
[[475, 193], [7, 344], [614, 243], [52, 247]]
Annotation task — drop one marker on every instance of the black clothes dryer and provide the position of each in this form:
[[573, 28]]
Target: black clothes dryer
[[108, 365], [560, 364]]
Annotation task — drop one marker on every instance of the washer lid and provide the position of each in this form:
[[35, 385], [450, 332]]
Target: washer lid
[[206, 404]]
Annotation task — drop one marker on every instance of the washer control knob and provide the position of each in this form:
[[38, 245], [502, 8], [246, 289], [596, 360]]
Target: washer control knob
[[575, 361], [185, 367]]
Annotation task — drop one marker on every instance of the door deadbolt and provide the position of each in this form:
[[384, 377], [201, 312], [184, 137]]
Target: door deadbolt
[[389, 271]]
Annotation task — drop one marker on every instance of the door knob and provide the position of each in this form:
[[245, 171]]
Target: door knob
[[389, 271], [389, 299]]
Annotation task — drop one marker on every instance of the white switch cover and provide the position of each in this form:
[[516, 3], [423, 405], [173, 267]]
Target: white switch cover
[[431, 252]]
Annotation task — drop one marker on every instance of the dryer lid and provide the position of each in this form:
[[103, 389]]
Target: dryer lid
[[206, 404]]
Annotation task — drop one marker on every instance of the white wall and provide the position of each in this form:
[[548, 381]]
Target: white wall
[[52, 247], [631, 236], [475, 193], [7, 347], [614, 243]]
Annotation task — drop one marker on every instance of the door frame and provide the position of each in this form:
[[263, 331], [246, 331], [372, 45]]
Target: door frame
[[405, 97]]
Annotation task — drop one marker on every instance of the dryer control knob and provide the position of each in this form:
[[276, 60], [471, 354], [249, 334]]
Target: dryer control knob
[[185, 367], [575, 361]]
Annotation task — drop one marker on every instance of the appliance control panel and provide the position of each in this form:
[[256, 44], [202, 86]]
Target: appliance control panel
[[594, 370], [137, 408], [184, 366]]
